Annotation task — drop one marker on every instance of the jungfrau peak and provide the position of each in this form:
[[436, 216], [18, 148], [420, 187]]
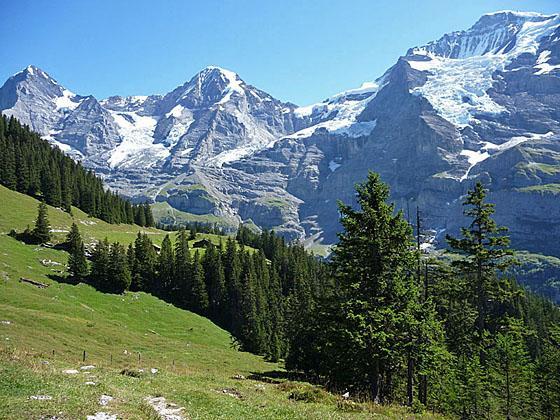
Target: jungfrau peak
[[479, 104]]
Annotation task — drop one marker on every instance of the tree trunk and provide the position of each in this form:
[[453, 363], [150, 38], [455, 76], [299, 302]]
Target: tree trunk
[[508, 394], [375, 382], [410, 381]]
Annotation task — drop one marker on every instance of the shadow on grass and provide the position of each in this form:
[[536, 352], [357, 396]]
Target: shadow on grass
[[63, 279], [279, 376]]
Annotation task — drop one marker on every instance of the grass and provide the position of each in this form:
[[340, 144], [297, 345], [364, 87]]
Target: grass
[[164, 213], [543, 189], [21, 210], [46, 331], [172, 186], [275, 202], [541, 167]]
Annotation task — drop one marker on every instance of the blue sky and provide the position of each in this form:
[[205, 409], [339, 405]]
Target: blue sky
[[300, 51]]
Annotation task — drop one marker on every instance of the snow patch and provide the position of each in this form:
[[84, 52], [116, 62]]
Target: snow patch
[[474, 158], [66, 101], [543, 57], [175, 112], [333, 166], [546, 68], [137, 146], [341, 126], [514, 141]]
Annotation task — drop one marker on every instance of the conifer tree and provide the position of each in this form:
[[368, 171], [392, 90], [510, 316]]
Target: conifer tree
[[140, 216], [250, 334], [41, 233], [215, 283], [100, 266], [148, 215], [511, 368], [118, 273], [183, 269], [198, 293], [232, 269], [145, 260], [193, 230], [373, 263], [166, 267], [77, 262], [485, 250]]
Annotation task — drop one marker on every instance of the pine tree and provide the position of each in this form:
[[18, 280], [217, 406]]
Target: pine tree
[[250, 334], [232, 269], [144, 269], [198, 292], [367, 333], [215, 283], [547, 377], [485, 250], [183, 269], [148, 215], [77, 262], [511, 368], [140, 216], [166, 267], [118, 271], [192, 232], [41, 233], [100, 266]]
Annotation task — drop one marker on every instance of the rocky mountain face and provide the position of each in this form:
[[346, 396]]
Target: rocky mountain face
[[480, 104]]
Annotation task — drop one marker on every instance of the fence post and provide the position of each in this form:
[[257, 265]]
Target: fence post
[[84, 356]]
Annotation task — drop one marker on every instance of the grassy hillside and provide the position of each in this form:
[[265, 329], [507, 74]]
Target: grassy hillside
[[44, 332]]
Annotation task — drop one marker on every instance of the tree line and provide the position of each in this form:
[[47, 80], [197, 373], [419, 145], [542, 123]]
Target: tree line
[[255, 294], [30, 165]]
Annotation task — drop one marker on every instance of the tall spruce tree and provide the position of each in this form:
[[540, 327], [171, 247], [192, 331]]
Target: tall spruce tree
[[41, 233], [183, 270], [144, 269], [485, 249], [250, 333], [366, 334], [198, 293], [373, 266], [119, 277], [77, 262], [232, 269], [99, 276], [166, 267], [215, 283]]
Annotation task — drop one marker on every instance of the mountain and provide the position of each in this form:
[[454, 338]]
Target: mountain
[[480, 104]]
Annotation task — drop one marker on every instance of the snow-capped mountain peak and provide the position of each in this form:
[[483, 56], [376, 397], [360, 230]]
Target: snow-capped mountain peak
[[212, 85], [493, 33], [36, 98], [460, 65]]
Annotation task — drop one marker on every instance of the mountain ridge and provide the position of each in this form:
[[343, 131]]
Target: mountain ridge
[[478, 104]]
